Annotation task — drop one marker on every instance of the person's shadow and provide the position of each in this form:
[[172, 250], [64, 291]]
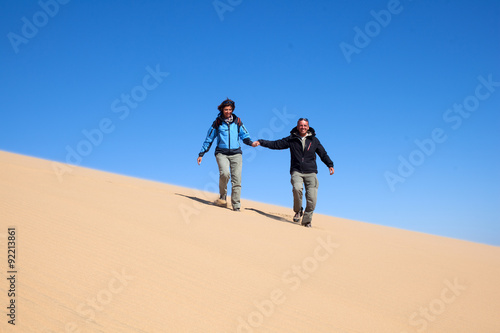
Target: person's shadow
[[210, 203], [203, 201], [271, 216]]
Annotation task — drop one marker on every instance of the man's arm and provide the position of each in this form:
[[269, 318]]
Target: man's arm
[[320, 150], [276, 144]]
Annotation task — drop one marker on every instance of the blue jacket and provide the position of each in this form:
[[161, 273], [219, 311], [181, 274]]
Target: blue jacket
[[227, 136]]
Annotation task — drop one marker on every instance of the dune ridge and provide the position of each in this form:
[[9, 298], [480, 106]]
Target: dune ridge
[[100, 252]]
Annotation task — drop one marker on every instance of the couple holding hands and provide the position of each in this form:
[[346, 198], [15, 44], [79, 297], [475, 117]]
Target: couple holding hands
[[228, 129]]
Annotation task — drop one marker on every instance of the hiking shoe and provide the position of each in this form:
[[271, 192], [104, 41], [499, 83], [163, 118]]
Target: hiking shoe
[[298, 215], [307, 225], [221, 202], [236, 209]]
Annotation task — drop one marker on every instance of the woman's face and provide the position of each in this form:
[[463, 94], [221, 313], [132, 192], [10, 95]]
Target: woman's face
[[227, 111]]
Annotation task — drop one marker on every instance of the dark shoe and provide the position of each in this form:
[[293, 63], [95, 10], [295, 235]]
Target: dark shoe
[[236, 209], [298, 215], [307, 225]]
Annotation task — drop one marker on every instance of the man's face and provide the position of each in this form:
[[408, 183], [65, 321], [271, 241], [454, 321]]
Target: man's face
[[227, 111], [303, 127]]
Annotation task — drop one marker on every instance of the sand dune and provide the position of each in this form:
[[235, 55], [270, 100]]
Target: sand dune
[[99, 252]]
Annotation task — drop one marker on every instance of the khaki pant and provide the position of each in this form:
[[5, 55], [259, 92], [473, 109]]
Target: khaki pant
[[311, 183], [230, 167]]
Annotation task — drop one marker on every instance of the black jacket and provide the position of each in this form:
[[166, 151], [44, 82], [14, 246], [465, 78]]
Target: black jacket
[[301, 160]]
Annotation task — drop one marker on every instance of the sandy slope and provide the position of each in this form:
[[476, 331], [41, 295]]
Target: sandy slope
[[98, 252]]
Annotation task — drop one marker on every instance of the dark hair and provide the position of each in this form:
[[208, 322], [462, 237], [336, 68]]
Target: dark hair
[[303, 119], [226, 103]]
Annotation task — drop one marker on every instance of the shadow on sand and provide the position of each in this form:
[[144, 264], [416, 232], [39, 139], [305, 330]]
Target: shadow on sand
[[210, 203], [271, 216], [203, 201]]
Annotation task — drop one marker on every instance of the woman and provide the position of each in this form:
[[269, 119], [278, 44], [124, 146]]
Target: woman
[[228, 129]]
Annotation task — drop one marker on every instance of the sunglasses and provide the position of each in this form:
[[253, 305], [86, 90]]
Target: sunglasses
[[301, 119]]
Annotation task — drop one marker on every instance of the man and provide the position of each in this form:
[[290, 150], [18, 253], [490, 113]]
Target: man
[[303, 145], [227, 129]]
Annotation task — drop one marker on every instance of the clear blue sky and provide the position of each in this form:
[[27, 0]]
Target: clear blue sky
[[404, 95]]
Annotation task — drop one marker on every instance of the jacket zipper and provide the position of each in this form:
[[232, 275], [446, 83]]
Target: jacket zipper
[[304, 151], [229, 135], [303, 155]]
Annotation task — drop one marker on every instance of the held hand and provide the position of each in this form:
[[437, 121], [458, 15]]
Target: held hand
[[331, 170], [255, 143], [199, 160]]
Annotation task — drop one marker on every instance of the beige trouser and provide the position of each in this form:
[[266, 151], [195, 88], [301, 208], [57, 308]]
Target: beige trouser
[[311, 183], [230, 167]]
